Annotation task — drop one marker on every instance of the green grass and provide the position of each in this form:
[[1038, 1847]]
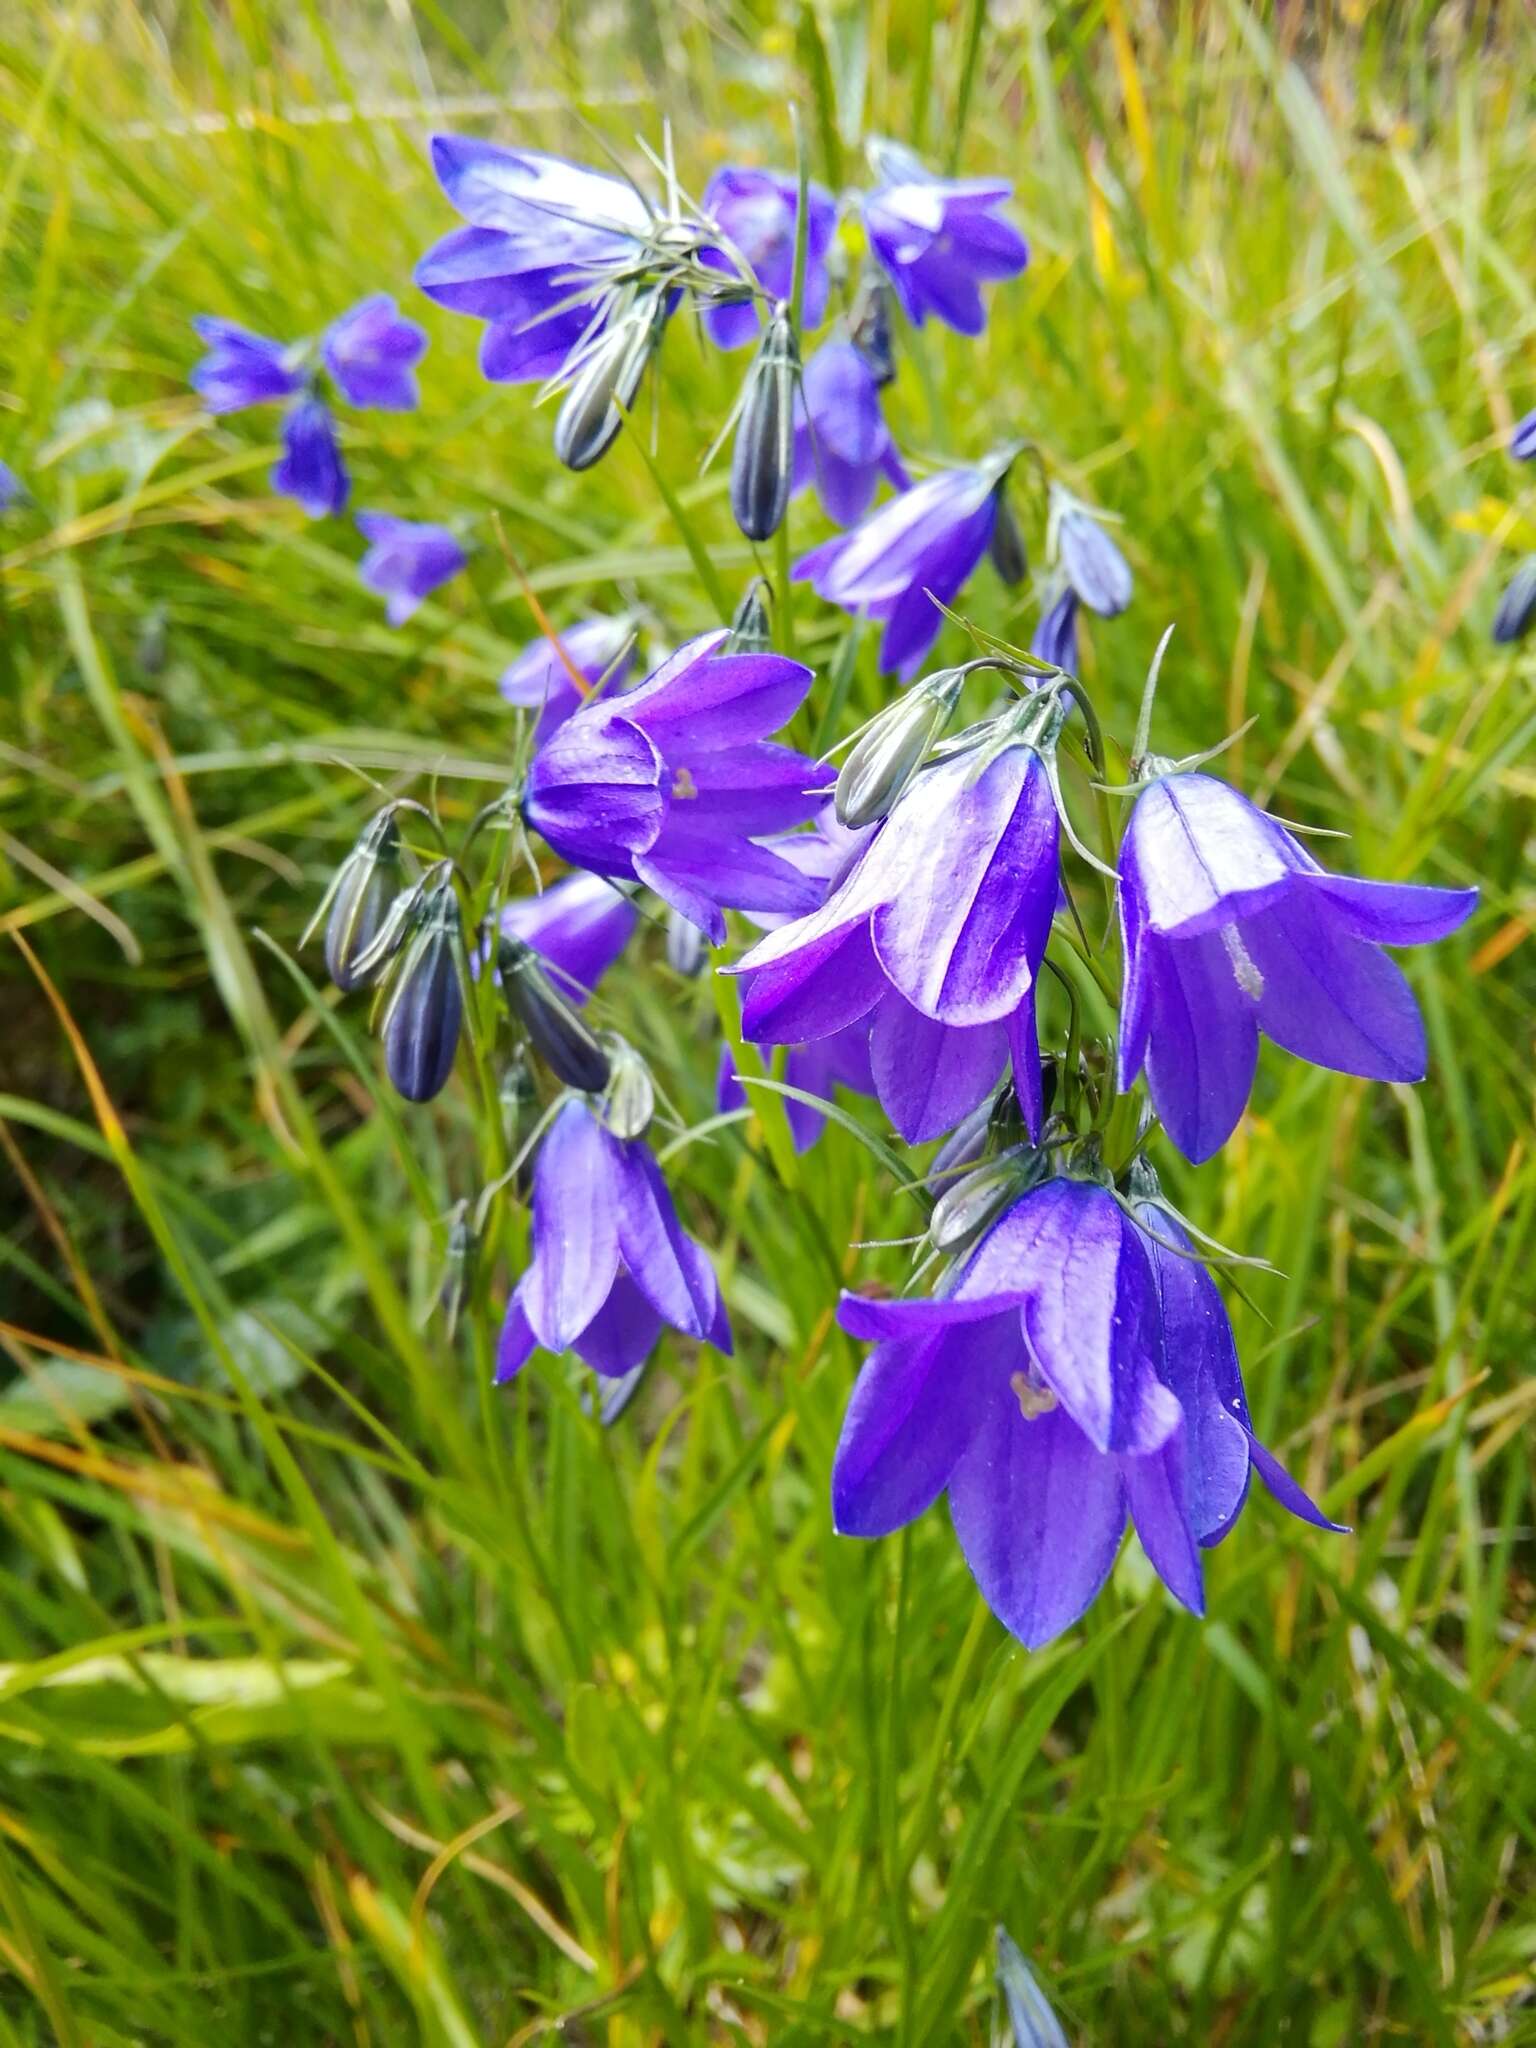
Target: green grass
[[345, 1701]]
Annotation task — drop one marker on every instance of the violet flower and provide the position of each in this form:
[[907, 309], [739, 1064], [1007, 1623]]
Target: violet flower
[[672, 784], [1066, 1377], [1230, 928], [538, 680], [756, 211], [407, 559], [611, 1263], [543, 234], [1055, 635], [928, 539], [1522, 443], [939, 240], [372, 352], [579, 925], [934, 935], [242, 368], [1517, 607], [311, 470], [842, 443], [1094, 567], [816, 1069]]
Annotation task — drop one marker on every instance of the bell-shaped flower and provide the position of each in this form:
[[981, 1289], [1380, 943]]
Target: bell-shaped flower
[[372, 352], [672, 784], [1522, 442], [1096, 571], [918, 547], [1517, 607], [242, 368], [756, 211], [539, 680], [311, 470], [939, 240], [1055, 635], [1038, 1390], [407, 559], [610, 1263], [842, 443], [1229, 929], [934, 935], [578, 925], [543, 236]]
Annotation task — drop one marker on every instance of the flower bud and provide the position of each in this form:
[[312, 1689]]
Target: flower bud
[[1093, 565], [1517, 607], [607, 377], [971, 1204], [870, 328], [366, 885], [762, 460], [426, 1001], [685, 945], [751, 632], [883, 762], [556, 1031], [629, 1101], [1010, 558]]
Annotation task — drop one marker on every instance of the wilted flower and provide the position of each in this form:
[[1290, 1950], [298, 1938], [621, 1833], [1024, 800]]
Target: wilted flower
[[611, 1263], [1517, 607], [1055, 635], [672, 784], [579, 926], [842, 443], [242, 368], [927, 540], [1230, 928], [1069, 1373], [940, 239], [406, 560], [372, 352], [935, 934], [540, 681], [544, 237], [1094, 567], [762, 455], [756, 211], [1522, 443], [311, 470], [424, 1013]]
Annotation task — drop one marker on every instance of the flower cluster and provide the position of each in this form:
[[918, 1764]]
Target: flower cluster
[[1060, 1361]]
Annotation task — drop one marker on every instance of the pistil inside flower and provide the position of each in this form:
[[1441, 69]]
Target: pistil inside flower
[[1245, 973], [1034, 1401]]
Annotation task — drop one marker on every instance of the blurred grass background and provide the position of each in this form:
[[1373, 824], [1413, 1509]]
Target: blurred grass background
[[342, 1701]]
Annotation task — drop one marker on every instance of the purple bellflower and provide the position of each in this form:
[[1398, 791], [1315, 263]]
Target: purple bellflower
[[540, 681], [1517, 607], [1522, 443], [842, 443], [755, 211], [579, 925], [939, 240], [406, 560], [934, 936], [311, 470], [672, 784], [543, 237], [1097, 573], [1230, 928], [372, 352], [242, 368], [1055, 635], [928, 539], [1069, 1374], [611, 1263]]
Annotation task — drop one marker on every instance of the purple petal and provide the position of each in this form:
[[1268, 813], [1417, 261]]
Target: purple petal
[[1204, 855], [880, 1321], [1156, 1493], [913, 1409], [579, 925], [515, 1346], [311, 471], [594, 792], [928, 1075], [1202, 1042], [1201, 1370], [622, 1334], [755, 789], [1285, 1490], [242, 368], [577, 1192], [696, 868], [1094, 566], [691, 706], [372, 352], [1039, 1514], [582, 212], [1395, 913], [540, 680], [827, 985], [1522, 443], [527, 352], [1024, 1052], [659, 1256], [1337, 1001]]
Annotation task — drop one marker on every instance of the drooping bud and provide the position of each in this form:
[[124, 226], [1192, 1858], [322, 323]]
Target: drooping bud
[[1093, 565], [398, 922], [629, 1101], [892, 749], [367, 883], [606, 380], [1517, 607], [751, 630], [686, 951], [1010, 558], [515, 1093], [870, 328], [426, 1002], [971, 1204], [762, 459], [556, 1031], [962, 1148]]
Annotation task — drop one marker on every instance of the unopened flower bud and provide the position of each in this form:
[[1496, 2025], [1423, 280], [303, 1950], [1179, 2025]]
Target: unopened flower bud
[[971, 1204], [751, 631], [607, 377], [629, 1101], [870, 328], [883, 762], [426, 1002], [685, 945], [1010, 558], [556, 1031], [366, 884], [762, 459]]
